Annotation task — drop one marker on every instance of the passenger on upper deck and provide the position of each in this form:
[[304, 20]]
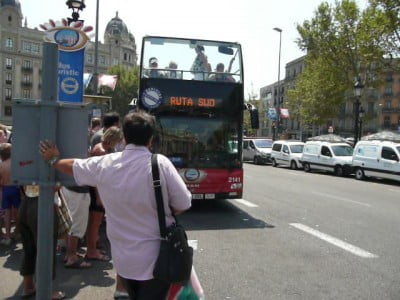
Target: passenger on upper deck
[[152, 71], [221, 75], [200, 64], [172, 73]]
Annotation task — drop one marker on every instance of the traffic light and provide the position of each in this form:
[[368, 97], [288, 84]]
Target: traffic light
[[255, 124]]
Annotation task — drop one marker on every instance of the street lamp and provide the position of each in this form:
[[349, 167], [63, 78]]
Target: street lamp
[[361, 115], [76, 6], [358, 89], [278, 120]]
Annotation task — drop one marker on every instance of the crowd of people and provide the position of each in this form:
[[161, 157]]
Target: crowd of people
[[201, 69], [114, 188]]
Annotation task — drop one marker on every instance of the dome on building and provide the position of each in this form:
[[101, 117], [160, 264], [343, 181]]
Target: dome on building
[[116, 26], [14, 3]]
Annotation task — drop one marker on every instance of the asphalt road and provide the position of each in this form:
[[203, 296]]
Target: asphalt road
[[300, 236], [296, 235]]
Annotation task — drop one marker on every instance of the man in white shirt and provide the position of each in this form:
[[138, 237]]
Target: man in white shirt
[[124, 182]]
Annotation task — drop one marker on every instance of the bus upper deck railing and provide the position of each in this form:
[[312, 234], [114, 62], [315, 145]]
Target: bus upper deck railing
[[191, 75]]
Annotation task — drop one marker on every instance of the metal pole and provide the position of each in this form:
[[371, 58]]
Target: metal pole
[[356, 119], [278, 125], [96, 52], [48, 131]]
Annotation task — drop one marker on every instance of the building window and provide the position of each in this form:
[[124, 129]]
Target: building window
[[102, 60], [388, 90], [8, 111], [26, 93], [388, 104], [8, 78], [115, 61], [8, 63], [125, 57], [27, 78], [30, 47], [371, 107], [9, 18], [8, 94], [90, 58], [386, 121], [35, 48], [9, 43], [27, 64]]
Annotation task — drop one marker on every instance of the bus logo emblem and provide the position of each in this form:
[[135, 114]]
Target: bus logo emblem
[[192, 174], [152, 98]]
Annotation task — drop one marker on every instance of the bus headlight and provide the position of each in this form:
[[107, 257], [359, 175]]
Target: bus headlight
[[235, 186]]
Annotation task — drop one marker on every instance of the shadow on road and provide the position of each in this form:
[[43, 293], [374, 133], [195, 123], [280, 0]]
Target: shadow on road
[[219, 214]]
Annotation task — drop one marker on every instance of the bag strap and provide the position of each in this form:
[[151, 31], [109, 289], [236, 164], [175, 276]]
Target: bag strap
[[158, 193]]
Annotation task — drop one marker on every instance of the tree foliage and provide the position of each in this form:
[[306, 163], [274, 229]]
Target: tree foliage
[[384, 15], [340, 47], [125, 90]]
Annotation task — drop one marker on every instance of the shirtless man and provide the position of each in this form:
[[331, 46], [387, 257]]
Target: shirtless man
[[10, 193]]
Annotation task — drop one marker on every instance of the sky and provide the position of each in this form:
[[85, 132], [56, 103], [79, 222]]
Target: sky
[[248, 22]]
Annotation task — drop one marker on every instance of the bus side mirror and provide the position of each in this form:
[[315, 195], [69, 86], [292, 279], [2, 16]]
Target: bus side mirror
[[255, 124]]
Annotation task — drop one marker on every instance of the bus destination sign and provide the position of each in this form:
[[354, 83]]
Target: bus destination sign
[[191, 101]]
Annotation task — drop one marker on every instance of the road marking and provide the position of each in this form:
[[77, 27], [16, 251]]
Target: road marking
[[341, 199], [334, 241], [245, 202], [193, 244], [393, 190]]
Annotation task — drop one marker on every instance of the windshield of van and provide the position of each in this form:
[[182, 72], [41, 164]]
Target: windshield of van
[[296, 148], [263, 143], [342, 150]]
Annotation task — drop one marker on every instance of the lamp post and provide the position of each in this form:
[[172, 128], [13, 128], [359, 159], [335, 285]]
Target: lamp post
[[361, 116], [96, 52], [358, 89], [76, 6], [278, 118]]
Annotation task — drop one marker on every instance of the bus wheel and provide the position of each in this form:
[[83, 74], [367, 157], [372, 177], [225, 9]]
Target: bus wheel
[[359, 174], [274, 164], [293, 165], [307, 167], [339, 171]]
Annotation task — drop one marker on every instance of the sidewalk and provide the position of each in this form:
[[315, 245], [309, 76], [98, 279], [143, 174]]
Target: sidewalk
[[95, 283]]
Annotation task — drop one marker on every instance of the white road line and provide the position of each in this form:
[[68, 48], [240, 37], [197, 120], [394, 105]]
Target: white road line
[[245, 202], [193, 244], [334, 241], [341, 199], [395, 191]]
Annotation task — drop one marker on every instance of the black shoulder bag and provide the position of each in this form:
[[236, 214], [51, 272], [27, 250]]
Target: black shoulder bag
[[175, 259]]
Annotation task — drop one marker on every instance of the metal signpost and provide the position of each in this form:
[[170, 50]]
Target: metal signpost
[[62, 123]]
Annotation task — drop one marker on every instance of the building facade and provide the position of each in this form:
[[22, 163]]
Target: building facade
[[21, 55], [380, 108]]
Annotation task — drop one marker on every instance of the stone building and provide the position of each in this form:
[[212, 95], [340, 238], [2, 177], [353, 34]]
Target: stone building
[[21, 55], [380, 107]]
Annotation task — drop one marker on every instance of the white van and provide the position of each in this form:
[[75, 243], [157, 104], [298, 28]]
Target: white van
[[287, 153], [327, 156], [257, 150], [377, 159]]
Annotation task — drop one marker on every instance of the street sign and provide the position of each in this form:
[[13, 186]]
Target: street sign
[[71, 139]]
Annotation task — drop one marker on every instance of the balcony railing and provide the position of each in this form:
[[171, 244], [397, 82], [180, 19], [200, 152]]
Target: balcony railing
[[26, 84], [8, 98], [9, 67], [27, 69], [390, 110], [8, 81]]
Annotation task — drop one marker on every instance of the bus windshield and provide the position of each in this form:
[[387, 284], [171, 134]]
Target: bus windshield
[[188, 59], [198, 143]]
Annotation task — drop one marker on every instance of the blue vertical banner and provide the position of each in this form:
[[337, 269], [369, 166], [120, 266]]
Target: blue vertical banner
[[71, 41], [70, 76]]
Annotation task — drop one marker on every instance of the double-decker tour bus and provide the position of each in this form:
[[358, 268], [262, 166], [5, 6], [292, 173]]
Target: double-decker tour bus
[[194, 88]]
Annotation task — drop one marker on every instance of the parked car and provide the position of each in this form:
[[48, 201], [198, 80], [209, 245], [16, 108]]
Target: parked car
[[257, 150], [327, 156], [287, 153], [377, 159]]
